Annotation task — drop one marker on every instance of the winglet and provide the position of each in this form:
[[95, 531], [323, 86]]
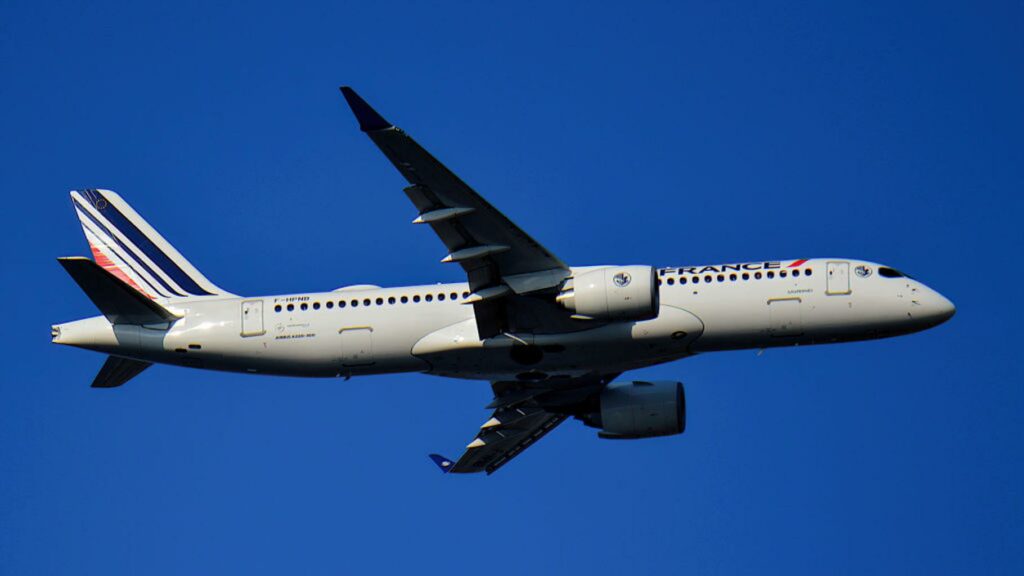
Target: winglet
[[443, 463], [369, 119]]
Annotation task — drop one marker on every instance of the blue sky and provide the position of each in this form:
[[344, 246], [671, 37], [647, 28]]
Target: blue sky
[[665, 133]]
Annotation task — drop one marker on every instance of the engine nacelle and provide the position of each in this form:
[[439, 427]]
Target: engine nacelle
[[613, 293], [641, 410]]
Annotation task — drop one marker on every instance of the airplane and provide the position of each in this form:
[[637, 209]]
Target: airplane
[[552, 339]]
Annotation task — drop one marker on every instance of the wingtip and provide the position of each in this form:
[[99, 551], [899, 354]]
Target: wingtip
[[369, 119], [445, 464]]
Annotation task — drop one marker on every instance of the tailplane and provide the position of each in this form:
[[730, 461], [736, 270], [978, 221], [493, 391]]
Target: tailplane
[[126, 246], [117, 371], [120, 302]]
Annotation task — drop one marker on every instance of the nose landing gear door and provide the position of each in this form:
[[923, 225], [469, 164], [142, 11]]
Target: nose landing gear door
[[252, 318], [838, 278]]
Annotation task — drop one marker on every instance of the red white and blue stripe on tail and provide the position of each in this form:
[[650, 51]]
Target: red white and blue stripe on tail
[[125, 245]]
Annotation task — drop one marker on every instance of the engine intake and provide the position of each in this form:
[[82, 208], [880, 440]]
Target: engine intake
[[612, 293], [640, 410]]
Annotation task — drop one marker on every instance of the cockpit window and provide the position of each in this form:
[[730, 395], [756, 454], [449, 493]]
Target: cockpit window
[[890, 272]]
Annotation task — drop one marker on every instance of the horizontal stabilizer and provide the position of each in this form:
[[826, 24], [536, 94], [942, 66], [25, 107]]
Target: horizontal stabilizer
[[117, 371], [119, 302], [443, 463]]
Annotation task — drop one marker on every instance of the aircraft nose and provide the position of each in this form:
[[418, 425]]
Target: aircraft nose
[[938, 308], [944, 309]]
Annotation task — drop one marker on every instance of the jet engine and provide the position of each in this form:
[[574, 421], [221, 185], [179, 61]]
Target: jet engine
[[612, 293], [640, 410]]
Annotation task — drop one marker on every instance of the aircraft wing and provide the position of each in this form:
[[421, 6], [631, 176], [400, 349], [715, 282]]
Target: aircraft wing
[[523, 414], [500, 259]]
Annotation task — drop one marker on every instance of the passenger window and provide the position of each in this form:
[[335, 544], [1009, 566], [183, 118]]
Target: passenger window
[[721, 277], [316, 305], [796, 273], [440, 297], [380, 301], [455, 296], [771, 274], [330, 304], [429, 297], [782, 274], [746, 276], [682, 280], [341, 303], [416, 298], [366, 301], [355, 303], [696, 280], [305, 306], [291, 307], [707, 279], [405, 299], [732, 277], [671, 281], [277, 308], [808, 272], [757, 275], [391, 299]]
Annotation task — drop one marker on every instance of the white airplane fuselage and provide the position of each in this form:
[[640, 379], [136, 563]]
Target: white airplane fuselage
[[551, 338], [370, 330]]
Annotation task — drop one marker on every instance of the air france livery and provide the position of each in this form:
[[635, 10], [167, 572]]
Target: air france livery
[[552, 339]]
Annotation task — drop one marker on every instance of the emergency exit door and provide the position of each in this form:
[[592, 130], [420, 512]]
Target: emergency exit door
[[838, 278], [252, 318]]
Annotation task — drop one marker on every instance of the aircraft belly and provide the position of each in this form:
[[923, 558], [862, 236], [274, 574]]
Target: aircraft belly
[[773, 315], [456, 351], [299, 345]]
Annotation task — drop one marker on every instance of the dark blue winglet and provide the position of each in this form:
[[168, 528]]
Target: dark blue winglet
[[369, 119], [443, 463]]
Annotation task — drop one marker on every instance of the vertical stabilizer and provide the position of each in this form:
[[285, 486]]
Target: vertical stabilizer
[[125, 245]]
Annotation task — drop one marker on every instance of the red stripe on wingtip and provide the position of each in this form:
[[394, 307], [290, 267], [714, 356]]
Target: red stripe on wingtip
[[797, 263]]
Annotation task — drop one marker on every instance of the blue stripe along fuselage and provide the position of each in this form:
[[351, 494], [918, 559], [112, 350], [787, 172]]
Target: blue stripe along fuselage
[[162, 260]]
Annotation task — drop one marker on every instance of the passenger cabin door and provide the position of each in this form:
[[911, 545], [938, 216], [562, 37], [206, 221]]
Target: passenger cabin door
[[357, 346], [252, 318], [838, 278]]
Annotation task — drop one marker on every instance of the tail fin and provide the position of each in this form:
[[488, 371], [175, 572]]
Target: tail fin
[[125, 245]]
